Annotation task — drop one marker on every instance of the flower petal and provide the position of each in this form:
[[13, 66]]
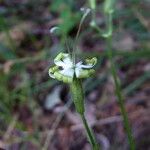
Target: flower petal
[[92, 61], [59, 76], [52, 70], [86, 66], [67, 63], [51, 75], [67, 72], [63, 60], [77, 71], [59, 63], [85, 73], [89, 63], [79, 64]]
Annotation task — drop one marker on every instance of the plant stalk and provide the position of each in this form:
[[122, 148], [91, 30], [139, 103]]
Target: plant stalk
[[78, 99], [119, 93], [90, 134]]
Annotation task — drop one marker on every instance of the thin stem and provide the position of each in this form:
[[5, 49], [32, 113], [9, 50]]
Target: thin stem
[[90, 134], [119, 94], [93, 7], [96, 27], [108, 36], [87, 11]]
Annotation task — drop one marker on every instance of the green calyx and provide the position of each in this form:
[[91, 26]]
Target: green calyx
[[77, 95]]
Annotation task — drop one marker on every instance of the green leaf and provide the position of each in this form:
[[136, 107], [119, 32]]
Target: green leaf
[[6, 53]]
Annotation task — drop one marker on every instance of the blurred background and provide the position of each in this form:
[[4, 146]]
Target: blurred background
[[36, 112]]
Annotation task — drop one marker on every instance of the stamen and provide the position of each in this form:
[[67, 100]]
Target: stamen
[[86, 11], [53, 29]]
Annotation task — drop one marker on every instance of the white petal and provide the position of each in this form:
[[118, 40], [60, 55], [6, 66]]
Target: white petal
[[67, 60], [78, 65], [67, 63], [51, 75], [68, 72], [52, 30], [86, 66], [59, 63], [77, 71]]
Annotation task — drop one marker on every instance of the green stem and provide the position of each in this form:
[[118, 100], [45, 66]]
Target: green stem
[[108, 35], [119, 94], [90, 134], [78, 99]]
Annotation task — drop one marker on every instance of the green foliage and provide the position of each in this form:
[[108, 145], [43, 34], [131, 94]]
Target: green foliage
[[68, 16], [6, 53], [15, 95]]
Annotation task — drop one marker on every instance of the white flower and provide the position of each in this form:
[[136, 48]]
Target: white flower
[[65, 69]]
